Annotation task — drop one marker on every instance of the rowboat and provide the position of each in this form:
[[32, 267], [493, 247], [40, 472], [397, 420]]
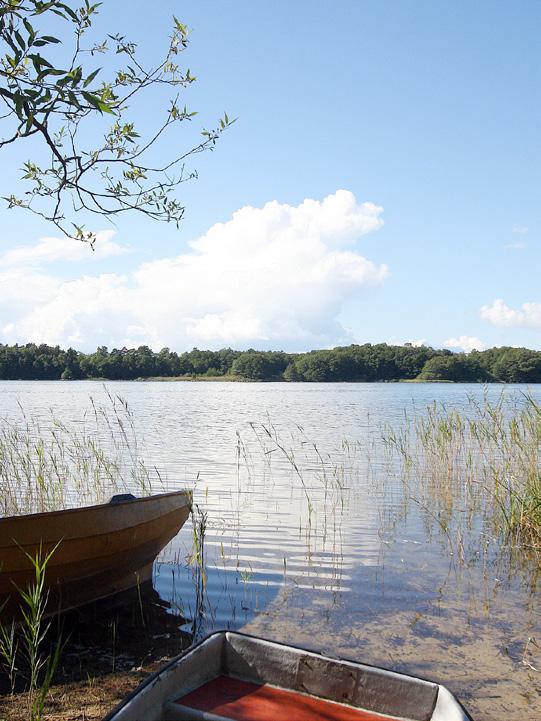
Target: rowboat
[[234, 676], [97, 551]]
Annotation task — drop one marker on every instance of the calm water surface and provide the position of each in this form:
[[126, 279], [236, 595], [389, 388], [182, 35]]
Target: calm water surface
[[311, 538]]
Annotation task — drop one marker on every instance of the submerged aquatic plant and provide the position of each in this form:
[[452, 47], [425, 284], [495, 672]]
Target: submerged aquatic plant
[[47, 464]]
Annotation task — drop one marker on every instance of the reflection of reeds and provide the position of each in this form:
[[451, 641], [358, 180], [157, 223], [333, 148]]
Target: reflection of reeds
[[47, 464], [484, 458]]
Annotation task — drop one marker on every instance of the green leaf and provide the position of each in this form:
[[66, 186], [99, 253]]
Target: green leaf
[[29, 122], [18, 99], [97, 103], [106, 108], [69, 11], [90, 78], [37, 59], [73, 99], [50, 39], [29, 29], [91, 99], [19, 39], [52, 71]]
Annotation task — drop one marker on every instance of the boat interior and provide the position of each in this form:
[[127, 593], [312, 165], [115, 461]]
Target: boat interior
[[233, 677]]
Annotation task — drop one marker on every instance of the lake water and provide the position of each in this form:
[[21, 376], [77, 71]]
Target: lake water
[[311, 538]]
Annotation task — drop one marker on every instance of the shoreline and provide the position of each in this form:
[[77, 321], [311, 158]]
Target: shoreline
[[112, 646], [240, 379]]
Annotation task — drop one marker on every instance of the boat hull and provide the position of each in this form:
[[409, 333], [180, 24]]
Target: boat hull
[[97, 551], [234, 676]]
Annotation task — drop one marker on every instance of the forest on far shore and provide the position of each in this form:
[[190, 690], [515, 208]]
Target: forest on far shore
[[353, 363]]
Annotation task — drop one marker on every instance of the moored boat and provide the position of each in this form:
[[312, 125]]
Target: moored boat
[[97, 551], [232, 676]]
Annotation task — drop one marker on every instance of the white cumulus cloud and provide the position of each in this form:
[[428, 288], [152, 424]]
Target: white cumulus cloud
[[466, 343], [520, 229], [48, 250], [500, 314], [276, 276]]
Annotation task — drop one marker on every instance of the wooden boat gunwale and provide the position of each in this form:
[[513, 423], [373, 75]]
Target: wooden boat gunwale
[[93, 507], [154, 678], [71, 525]]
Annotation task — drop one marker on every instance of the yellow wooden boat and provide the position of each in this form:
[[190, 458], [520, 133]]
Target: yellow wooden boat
[[98, 550]]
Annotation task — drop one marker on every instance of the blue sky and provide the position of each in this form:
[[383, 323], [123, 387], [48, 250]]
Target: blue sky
[[425, 113]]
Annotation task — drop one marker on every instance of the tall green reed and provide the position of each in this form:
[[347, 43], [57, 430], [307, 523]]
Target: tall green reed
[[48, 464], [197, 560], [483, 459], [24, 647]]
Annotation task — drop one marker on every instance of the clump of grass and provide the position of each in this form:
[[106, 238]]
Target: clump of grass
[[9, 647], [484, 458], [22, 647], [47, 464]]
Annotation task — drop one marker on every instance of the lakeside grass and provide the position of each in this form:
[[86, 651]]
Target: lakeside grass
[[484, 459], [48, 465]]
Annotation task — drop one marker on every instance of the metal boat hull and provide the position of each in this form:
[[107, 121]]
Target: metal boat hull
[[235, 676]]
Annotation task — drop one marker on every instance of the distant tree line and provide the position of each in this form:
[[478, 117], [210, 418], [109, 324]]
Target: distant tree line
[[365, 363]]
